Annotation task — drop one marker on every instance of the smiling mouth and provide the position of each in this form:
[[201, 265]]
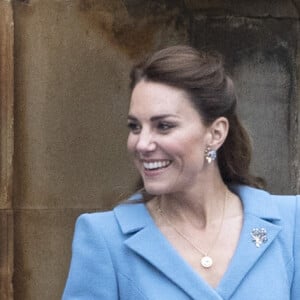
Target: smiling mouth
[[156, 165]]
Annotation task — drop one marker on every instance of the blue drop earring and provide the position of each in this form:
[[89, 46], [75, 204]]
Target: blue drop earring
[[210, 155]]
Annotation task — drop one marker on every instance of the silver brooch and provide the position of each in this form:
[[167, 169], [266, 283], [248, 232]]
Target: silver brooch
[[259, 236]]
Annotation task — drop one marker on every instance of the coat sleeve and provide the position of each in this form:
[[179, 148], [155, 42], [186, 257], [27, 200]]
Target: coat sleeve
[[91, 275], [295, 292]]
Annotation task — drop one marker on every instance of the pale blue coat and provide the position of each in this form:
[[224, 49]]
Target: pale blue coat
[[121, 254]]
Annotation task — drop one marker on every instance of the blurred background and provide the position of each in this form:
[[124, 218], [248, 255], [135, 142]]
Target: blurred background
[[64, 68]]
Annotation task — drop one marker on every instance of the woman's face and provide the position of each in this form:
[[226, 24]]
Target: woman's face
[[167, 138]]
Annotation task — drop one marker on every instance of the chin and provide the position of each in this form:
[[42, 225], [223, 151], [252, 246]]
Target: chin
[[157, 189]]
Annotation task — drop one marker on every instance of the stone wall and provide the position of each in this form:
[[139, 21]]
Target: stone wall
[[6, 146], [72, 60]]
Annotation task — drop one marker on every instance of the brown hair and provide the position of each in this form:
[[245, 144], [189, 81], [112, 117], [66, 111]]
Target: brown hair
[[201, 75]]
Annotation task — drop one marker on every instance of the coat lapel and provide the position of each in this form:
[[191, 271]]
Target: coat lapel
[[259, 212], [148, 242]]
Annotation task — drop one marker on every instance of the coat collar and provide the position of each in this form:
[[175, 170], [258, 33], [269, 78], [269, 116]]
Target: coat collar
[[259, 212], [147, 241], [257, 202]]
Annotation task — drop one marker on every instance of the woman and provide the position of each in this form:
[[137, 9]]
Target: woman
[[204, 230]]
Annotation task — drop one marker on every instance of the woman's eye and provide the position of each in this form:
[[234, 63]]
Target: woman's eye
[[134, 127], [163, 126]]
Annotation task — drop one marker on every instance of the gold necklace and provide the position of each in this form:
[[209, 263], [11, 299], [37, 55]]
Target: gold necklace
[[206, 260]]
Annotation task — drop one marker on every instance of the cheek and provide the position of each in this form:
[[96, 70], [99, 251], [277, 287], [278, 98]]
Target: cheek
[[131, 141], [193, 140], [193, 149]]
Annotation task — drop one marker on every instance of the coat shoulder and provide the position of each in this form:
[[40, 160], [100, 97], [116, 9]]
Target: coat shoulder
[[288, 205], [97, 223]]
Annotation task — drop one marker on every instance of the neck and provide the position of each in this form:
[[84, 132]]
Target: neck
[[200, 207]]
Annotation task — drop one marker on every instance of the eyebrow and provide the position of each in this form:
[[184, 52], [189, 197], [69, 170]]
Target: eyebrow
[[155, 118]]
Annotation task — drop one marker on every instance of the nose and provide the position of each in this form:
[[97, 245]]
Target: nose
[[145, 142]]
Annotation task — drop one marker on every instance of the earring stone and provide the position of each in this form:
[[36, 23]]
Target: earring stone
[[210, 155]]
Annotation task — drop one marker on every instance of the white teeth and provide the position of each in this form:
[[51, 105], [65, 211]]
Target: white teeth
[[156, 164]]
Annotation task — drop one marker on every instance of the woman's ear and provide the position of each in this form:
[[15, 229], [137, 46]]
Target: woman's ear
[[218, 131]]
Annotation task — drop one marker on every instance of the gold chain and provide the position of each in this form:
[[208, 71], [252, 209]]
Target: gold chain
[[203, 253]]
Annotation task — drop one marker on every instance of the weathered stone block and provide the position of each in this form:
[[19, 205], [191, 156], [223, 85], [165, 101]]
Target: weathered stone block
[[42, 252], [261, 59], [6, 102], [256, 8], [6, 254]]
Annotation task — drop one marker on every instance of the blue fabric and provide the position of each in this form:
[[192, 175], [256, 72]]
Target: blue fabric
[[121, 254]]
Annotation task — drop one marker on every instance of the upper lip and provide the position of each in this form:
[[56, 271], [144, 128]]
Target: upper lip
[[154, 160]]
